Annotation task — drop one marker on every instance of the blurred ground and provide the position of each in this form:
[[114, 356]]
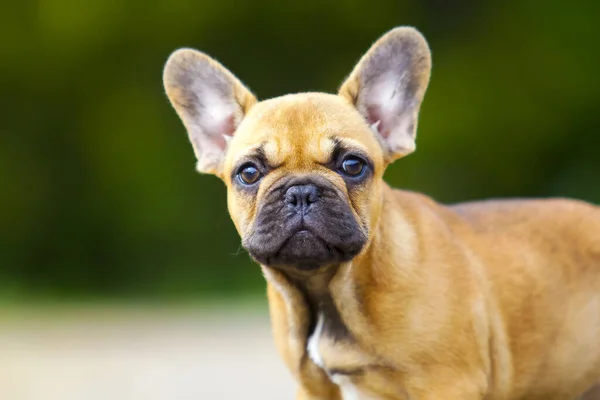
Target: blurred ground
[[108, 353]]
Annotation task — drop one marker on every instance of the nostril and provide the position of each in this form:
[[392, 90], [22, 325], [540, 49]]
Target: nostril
[[301, 196], [312, 197], [291, 196]]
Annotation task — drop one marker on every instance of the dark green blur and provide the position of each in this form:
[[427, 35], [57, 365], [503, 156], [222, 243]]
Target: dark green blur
[[99, 197]]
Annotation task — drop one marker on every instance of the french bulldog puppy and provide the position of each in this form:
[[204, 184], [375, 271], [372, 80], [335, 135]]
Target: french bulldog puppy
[[378, 293]]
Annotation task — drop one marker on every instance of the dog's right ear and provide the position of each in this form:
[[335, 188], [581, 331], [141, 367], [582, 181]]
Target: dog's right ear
[[210, 101]]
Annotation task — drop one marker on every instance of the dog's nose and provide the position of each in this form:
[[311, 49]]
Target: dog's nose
[[301, 197]]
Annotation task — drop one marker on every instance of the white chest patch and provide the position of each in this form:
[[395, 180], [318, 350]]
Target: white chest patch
[[348, 390], [313, 342]]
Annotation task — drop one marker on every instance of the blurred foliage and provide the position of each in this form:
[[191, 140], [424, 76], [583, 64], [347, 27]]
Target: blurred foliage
[[99, 193]]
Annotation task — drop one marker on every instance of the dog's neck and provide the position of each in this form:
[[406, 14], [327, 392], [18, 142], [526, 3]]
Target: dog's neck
[[314, 288]]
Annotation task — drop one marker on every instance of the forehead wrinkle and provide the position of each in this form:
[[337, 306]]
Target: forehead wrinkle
[[254, 151], [298, 144], [292, 134], [325, 148], [350, 144], [273, 150]]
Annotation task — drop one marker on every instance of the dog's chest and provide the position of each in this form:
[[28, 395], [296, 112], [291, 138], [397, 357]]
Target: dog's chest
[[340, 359]]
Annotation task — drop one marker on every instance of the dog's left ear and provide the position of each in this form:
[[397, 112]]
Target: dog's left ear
[[387, 87]]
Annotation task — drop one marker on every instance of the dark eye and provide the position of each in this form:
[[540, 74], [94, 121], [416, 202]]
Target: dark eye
[[353, 166], [248, 174]]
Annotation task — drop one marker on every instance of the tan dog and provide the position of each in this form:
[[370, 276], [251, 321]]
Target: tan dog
[[383, 294]]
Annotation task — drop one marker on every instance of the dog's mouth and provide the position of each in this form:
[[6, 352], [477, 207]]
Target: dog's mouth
[[305, 250]]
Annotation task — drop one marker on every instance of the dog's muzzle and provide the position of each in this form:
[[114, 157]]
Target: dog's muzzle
[[304, 223]]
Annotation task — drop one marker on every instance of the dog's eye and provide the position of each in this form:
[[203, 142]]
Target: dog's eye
[[353, 166], [248, 174]]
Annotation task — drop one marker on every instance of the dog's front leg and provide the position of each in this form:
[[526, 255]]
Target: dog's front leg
[[289, 318]]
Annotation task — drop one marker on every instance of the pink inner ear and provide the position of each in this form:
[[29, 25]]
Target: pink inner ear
[[224, 130], [374, 118], [229, 127]]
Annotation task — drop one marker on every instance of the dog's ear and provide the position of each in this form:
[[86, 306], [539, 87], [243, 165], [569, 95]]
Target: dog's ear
[[387, 87], [210, 101]]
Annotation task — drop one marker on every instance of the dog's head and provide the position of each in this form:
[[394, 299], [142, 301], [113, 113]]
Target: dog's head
[[304, 171]]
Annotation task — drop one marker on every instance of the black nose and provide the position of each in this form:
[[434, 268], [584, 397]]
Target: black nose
[[301, 197]]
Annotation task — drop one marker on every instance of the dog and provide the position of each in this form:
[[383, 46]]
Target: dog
[[376, 293]]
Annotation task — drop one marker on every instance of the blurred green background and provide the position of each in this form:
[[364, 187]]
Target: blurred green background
[[99, 197]]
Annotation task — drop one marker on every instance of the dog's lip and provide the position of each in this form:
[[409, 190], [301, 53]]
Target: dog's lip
[[302, 228], [315, 262], [300, 231]]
